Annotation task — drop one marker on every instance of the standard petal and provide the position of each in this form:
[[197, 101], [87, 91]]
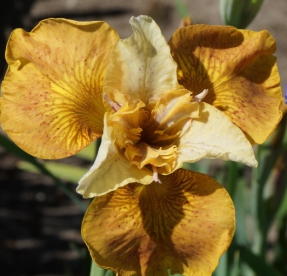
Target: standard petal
[[213, 135], [52, 92], [239, 71], [111, 170], [141, 65], [184, 224]]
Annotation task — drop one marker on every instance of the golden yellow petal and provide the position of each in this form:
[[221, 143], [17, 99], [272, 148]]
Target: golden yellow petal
[[213, 135], [141, 66], [184, 224], [239, 71], [52, 92]]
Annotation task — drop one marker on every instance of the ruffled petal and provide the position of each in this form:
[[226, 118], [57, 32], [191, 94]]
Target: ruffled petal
[[213, 135], [239, 71], [141, 66], [52, 92], [111, 170], [184, 224]]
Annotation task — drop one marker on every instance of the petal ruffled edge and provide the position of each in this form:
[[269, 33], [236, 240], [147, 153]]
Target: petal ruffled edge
[[238, 69], [52, 92], [111, 170], [141, 65], [184, 224]]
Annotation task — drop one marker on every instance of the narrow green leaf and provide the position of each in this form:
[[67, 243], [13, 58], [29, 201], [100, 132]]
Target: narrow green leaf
[[90, 152], [221, 269], [257, 263], [63, 171], [98, 271], [241, 202], [239, 13]]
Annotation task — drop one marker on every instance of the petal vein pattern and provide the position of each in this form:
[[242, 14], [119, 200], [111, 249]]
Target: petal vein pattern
[[53, 86], [239, 71], [184, 224]]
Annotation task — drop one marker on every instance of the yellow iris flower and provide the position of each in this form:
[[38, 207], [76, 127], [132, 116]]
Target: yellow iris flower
[[210, 92]]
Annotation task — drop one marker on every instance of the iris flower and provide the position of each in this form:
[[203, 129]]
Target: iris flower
[[211, 92]]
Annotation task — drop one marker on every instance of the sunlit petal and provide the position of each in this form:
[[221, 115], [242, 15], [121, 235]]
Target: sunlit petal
[[213, 135], [52, 92], [141, 65], [239, 71], [184, 224], [111, 170]]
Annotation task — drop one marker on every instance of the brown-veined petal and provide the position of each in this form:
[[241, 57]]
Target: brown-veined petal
[[52, 92], [184, 224], [239, 71], [141, 65]]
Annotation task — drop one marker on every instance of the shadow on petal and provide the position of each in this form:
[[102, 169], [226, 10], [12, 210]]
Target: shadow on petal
[[184, 224], [239, 71]]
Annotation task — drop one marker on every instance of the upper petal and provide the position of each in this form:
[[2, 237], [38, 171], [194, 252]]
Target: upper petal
[[213, 135], [52, 92], [184, 224], [141, 65], [239, 71]]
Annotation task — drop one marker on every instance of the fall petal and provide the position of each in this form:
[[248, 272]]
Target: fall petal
[[111, 170], [213, 135], [239, 71], [141, 66], [184, 224], [52, 92]]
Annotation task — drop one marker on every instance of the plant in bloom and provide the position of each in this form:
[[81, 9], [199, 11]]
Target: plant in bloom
[[210, 92]]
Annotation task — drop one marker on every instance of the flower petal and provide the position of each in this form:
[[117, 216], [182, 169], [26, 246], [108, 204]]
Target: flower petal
[[184, 224], [239, 71], [141, 65], [111, 170], [52, 92], [213, 135]]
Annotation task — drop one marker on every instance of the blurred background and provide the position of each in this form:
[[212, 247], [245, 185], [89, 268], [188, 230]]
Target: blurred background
[[40, 213]]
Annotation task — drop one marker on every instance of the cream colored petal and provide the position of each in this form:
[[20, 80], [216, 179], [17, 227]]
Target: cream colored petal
[[111, 170], [52, 92], [213, 135], [184, 224], [141, 65]]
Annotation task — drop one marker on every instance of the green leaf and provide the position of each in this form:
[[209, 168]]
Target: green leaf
[[258, 264], [221, 269], [98, 271], [88, 153], [63, 171], [239, 13]]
